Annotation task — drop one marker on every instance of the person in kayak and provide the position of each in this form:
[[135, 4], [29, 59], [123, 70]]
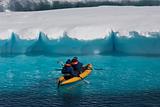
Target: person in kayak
[[68, 70], [77, 66]]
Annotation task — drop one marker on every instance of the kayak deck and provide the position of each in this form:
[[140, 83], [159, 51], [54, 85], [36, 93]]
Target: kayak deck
[[84, 74]]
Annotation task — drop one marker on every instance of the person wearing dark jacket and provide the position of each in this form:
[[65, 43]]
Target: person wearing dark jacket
[[68, 70], [77, 66]]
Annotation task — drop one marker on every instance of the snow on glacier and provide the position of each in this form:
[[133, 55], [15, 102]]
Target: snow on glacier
[[91, 22], [98, 30]]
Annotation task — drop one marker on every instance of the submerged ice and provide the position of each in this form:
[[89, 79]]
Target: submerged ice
[[112, 44]]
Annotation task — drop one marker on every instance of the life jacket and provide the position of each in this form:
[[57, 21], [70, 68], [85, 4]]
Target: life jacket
[[68, 65], [67, 69], [77, 66], [75, 63]]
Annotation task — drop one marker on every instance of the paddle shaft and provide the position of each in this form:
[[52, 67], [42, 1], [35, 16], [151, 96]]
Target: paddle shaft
[[84, 80]]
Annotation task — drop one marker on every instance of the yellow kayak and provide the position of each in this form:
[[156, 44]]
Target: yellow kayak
[[85, 73]]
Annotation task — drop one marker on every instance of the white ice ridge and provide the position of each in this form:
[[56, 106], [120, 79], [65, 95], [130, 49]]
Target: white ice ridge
[[81, 23]]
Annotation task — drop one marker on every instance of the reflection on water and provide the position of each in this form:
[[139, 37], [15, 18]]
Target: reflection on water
[[71, 95]]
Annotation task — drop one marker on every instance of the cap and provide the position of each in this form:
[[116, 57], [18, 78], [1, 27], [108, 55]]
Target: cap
[[75, 57], [68, 61]]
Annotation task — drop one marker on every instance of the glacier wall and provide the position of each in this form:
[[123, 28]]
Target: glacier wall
[[138, 44], [113, 44]]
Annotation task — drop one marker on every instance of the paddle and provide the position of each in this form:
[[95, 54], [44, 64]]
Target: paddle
[[58, 83], [57, 69], [62, 64], [84, 79]]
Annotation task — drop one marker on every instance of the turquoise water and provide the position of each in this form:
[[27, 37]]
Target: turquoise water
[[116, 81]]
